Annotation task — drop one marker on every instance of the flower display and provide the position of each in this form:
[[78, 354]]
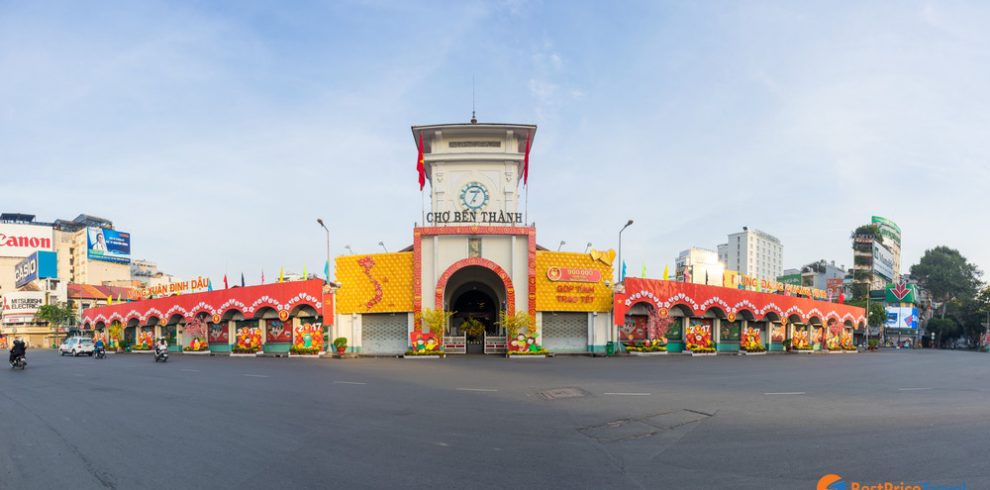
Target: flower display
[[197, 345], [750, 340], [698, 337], [846, 338], [248, 339], [145, 340], [309, 336], [801, 340], [654, 345]]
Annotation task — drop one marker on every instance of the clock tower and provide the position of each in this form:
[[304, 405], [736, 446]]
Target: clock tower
[[475, 171]]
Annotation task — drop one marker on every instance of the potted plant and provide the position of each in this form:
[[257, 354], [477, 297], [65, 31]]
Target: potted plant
[[340, 344], [787, 345]]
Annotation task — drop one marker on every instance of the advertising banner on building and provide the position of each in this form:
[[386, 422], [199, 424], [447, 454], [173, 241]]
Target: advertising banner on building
[[108, 245], [900, 293], [883, 261], [39, 265], [23, 240], [888, 228], [902, 317], [20, 306]]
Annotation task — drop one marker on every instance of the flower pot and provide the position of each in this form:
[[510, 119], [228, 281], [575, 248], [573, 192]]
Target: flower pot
[[341, 349]]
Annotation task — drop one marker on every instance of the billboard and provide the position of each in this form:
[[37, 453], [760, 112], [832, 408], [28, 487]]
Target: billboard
[[108, 245], [883, 261], [23, 240], [902, 317], [887, 228], [20, 306], [900, 293], [39, 265]]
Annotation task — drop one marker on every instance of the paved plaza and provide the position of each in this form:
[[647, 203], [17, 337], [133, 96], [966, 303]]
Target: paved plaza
[[776, 421]]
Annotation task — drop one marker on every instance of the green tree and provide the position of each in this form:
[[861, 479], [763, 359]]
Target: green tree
[[877, 315], [54, 314], [945, 329], [947, 275]]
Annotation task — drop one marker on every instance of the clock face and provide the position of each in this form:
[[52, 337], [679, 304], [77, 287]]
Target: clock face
[[474, 196]]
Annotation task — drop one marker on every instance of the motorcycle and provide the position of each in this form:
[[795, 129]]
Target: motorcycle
[[161, 354], [19, 363], [101, 353]]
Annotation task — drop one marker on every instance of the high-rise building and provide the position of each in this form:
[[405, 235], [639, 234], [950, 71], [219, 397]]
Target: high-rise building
[[86, 250], [701, 265], [754, 253], [876, 255]]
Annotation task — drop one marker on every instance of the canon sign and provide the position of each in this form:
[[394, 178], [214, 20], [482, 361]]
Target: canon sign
[[23, 240]]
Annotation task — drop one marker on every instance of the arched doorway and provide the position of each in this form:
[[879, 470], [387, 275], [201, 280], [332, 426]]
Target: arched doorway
[[477, 295]]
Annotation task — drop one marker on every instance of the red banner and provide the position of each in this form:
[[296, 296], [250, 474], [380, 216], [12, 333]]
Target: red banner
[[574, 274]]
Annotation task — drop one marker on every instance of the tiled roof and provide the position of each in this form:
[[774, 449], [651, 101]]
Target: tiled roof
[[91, 291]]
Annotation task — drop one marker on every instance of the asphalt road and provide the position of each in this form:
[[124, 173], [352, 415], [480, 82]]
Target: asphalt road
[[777, 421]]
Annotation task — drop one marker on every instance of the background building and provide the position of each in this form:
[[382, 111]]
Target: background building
[[39, 260], [876, 256], [701, 265], [754, 253]]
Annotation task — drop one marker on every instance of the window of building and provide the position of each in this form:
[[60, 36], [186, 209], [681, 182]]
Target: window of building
[[474, 247]]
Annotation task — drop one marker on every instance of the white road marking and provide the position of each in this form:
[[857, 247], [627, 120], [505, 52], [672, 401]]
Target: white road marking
[[629, 394], [256, 375], [190, 370], [476, 389], [348, 383], [786, 393], [912, 389]]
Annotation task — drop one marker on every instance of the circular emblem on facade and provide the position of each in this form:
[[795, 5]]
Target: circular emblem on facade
[[663, 312], [553, 273], [215, 318], [474, 196], [283, 315], [732, 316]]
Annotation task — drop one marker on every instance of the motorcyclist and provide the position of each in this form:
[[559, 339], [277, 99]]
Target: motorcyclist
[[162, 346], [19, 349], [99, 345]]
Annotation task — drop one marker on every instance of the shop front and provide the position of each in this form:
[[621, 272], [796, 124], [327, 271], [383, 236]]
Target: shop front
[[701, 319], [243, 320]]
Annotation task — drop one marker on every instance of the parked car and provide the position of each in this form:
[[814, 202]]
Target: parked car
[[77, 346]]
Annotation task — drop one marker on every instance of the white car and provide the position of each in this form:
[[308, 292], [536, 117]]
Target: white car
[[77, 346]]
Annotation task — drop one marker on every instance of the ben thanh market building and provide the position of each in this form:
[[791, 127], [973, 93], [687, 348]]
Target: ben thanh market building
[[475, 253]]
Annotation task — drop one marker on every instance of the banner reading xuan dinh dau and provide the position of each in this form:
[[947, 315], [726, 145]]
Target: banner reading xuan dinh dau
[[175, 287]]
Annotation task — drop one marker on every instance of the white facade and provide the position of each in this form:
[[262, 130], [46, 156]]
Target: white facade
[[755, 253], [701, 265]]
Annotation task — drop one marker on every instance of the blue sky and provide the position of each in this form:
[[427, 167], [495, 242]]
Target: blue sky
[[217, 133]]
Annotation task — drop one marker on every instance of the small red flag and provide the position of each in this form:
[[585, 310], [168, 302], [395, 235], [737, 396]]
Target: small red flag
[[420, 165], [225, 282], [526, 158]]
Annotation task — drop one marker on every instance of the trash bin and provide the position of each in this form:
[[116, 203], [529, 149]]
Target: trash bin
[[610, 349]]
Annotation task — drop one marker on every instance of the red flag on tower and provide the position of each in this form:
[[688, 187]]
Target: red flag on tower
[[526, 158], [420, 165]]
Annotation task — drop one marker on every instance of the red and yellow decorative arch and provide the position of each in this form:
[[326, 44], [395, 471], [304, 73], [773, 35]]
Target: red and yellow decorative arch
[[510, 291]]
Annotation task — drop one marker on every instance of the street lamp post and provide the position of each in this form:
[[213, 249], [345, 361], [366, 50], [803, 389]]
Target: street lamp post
[[382, 244], [562, 243], [320, 221], [587, 247], [614, 330], [628, 224]]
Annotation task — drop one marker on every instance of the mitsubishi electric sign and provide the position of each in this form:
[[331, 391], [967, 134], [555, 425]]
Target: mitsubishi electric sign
[[23, 240]]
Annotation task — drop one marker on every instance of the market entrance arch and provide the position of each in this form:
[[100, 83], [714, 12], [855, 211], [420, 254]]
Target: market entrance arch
[[478, 292]]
